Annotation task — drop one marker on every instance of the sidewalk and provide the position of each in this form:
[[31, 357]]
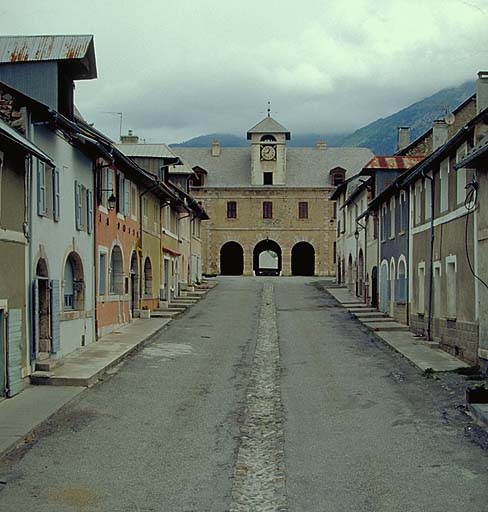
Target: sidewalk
[[423, 354], [22, 414]]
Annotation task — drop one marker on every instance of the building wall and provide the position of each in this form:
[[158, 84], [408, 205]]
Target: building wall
[[55, 240], [285, 227], [13, 244]]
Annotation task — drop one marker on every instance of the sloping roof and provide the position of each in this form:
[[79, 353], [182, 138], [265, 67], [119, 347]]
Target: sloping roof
[[305, 167], [19, 139], [146, 150], [268, 125], [478, 152], [393, 162], [45, 48]]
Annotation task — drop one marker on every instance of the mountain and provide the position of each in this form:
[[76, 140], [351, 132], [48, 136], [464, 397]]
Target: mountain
[[380, 136]]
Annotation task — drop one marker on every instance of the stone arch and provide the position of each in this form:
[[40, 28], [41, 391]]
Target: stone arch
[[267, 258], [73, 283], [148, 276], [231, 259], [116, 270], [134, 281], [303, 259]]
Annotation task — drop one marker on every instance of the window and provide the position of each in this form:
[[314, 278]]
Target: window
[[102, 274], [89, 211], [269, 138], [69, 290], [451, 285], [116, 271], [461, 175], [231, 210], [133, 201], [383, 226], [73, 284], [392, 217], [334, 210], [267, 178], [402, 282], [41, 188], [418, 202], [145, 210], [437, 289], [335, 252], [127, 191], [78, 206], [421, 290], [303, 210], [428, 197], [56, 195], [444, 178], [267, 210], [156, 217], [147, 277]]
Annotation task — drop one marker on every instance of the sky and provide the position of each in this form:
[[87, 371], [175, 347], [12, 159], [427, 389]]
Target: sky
[[178, 68]]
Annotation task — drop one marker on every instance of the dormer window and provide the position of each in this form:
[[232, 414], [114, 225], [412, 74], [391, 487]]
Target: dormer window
[[268, 138], [337, 176]]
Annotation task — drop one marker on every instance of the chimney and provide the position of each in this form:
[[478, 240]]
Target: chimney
[[439, 134], [321, 144], [215, 147], [482, 91], [129, 138], [403, 137]]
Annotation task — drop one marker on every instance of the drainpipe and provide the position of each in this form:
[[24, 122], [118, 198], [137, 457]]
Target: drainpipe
[[432, 238]]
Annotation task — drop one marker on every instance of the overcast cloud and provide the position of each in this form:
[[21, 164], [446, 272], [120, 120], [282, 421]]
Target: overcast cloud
[[177, 68]]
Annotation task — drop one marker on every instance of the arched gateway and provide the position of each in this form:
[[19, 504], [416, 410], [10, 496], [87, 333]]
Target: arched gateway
[[231, 259], [303, 259], [267, 258]]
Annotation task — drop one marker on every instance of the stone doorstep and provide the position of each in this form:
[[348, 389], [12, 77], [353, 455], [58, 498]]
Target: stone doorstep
[[375, 319], [164, 313], [386, 326], [364, 310], [89, 379]]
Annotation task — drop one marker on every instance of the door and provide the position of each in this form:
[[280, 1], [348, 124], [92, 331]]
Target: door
[[167, 277], [374, 287], [3, 355]]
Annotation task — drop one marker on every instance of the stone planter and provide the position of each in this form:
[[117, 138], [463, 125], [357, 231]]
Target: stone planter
[[145, 313]]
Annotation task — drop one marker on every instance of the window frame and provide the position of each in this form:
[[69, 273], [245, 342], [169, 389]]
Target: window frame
[[267, 209]]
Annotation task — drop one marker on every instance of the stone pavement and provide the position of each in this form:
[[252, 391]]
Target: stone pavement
[[22, 414], [424, 355]]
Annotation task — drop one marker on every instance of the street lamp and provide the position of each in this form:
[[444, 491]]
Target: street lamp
[[112, 202]]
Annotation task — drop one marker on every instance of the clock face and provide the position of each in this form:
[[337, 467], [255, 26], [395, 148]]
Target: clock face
[[268, 153]]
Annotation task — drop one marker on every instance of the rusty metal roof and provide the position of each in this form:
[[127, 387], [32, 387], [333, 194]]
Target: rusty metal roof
[[46, 48], [393, 163]]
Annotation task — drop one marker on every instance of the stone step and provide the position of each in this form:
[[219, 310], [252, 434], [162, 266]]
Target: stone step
[[176, 307], [47, 365], [164, 313], [386, 326]]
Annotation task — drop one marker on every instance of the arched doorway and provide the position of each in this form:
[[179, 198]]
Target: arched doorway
[[303, 259], [134, 283], [374, 287], [42, 310], [360, 273], [267, 258], [148, 277], [384, 288], [74, 284], [349, 271], [232, 259]]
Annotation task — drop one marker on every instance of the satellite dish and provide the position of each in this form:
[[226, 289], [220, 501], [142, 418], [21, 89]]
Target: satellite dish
[[450, 118]]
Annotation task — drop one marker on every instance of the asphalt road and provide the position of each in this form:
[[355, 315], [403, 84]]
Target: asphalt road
[[335, 420]]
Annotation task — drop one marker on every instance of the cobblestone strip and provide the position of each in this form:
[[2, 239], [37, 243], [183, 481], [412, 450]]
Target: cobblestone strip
[[259, 474]]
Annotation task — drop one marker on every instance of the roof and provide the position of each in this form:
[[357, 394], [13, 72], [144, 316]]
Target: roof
[[14, 136], [146, 150], [478, 152], [268, 125], [305, 167], [81, 48], [393, 162]]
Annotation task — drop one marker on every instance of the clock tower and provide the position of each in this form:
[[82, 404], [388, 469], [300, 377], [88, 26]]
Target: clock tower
[[268, 152]]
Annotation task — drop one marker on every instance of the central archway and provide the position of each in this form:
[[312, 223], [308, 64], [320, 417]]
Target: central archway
[[232, 259], [303, 259], [267, 258]]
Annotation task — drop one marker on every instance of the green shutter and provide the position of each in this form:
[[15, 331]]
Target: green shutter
[[14, 352]]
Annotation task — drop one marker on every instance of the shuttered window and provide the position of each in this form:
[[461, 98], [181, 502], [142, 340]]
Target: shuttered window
[[126, 197], [231, 210], [41, 188], [267, 210], [89, 211], [78, 206], [303, 210], [56, 195]]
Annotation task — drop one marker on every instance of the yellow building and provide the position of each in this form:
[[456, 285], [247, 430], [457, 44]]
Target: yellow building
[[268, 203]]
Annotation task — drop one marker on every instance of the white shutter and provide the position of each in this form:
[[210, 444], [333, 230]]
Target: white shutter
[[14, 351], [41, 188], [89, 220], [56, 194], [77, 206]]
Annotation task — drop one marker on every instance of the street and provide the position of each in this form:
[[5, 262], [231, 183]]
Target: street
[[266, 395]]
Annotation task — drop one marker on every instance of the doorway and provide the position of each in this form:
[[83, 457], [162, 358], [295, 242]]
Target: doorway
[[374, 287], [134, 283], [231, 259], [303, 259], [267, 260], [42, 310]]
